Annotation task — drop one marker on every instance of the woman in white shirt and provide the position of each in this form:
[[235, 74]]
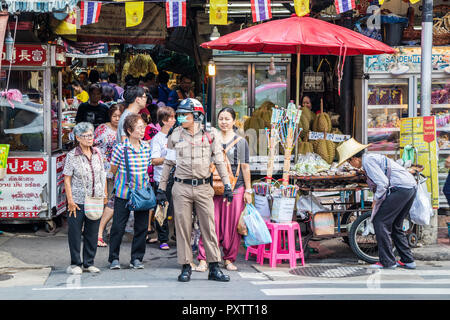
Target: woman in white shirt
[[166, 119]]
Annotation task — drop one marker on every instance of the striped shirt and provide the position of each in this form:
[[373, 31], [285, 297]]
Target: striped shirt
[[139, 162]]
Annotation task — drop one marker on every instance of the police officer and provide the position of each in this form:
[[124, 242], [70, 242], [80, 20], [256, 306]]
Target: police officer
[[192, 149]]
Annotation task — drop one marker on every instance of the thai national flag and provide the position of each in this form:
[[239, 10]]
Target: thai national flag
[[344, 5], [261, 10], [176, 13], [89, 12]]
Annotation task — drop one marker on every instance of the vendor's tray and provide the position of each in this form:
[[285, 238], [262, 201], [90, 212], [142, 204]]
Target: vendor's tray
[[328, 180]]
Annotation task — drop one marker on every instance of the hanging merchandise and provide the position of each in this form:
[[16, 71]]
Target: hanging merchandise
[[261, 10], [344, 5], [301, 7], [175, 13], [218, 12], [4, 151], [89, 12], [139, 66], [134, 12]]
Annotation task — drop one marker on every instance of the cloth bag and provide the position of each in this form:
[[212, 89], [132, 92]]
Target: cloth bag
[[258, 233], [421, 209], [217, 182], [141, 199], [93, 206], [161, 213]]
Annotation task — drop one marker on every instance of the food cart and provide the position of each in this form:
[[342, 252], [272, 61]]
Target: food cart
[[30, 122], [338, 208]]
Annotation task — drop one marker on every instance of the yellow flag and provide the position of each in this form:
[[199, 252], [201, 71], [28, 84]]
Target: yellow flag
[[414, 1], [134, 12], [218, 12], [380, 2], [301, 7]]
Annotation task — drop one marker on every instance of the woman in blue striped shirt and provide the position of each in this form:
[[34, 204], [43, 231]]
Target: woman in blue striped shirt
[[139, 157]]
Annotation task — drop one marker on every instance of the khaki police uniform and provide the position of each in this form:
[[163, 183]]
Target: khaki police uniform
[[192, 155]]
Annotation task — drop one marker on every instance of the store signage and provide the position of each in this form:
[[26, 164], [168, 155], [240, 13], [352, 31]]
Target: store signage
[[27, 55], [408, 57], [330, 136], [420, 132], [59, 200], [87, 50], [23, 188]]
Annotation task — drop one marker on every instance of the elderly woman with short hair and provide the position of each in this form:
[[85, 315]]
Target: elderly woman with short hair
[[84, 174]]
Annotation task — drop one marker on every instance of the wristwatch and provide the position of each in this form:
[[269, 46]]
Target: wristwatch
[[249, 191]]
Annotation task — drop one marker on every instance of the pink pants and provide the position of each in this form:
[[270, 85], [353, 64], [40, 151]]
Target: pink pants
[[226, 220]]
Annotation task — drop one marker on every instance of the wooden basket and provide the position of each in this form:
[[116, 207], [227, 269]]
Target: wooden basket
[[441, 30]]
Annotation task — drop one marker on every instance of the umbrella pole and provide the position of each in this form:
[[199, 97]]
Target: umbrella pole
[[297, 96]]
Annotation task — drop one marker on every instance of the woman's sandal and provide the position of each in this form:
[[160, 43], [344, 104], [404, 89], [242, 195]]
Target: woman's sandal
[[101, 243], [202, 267], [164, 246], [230, 266]]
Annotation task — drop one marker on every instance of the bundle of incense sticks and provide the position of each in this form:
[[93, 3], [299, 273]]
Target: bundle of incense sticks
[[262, 188], [289, 191]]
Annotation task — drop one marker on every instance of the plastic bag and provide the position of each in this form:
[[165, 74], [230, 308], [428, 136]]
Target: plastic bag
[[309, 203], [257, 228], [421, 209], [242, 227]]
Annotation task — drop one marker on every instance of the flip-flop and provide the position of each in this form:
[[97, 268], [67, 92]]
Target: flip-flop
[[230, 267], [101, 243], [164, 246], [149, 240]]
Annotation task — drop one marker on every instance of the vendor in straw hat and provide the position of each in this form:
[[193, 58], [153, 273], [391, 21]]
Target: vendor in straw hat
[[394, 191]]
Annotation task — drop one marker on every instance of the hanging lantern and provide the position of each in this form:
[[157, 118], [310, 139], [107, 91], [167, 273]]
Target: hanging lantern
[[9, 47], [211, 68]]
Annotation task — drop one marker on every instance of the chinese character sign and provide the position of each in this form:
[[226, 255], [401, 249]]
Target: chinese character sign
[[27, 55]]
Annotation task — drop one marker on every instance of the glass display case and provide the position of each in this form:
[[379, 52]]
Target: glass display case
[[22, 115], [243, 82], [387, 103], [232, 89]]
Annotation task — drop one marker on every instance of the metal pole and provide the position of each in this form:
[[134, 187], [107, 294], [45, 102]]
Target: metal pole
[[297, 92], [425, 69]]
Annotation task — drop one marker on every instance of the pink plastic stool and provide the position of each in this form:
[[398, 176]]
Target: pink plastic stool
[[277, 250], [255, 250]]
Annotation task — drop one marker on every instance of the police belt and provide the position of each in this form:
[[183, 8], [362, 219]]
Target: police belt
[[193, 182]]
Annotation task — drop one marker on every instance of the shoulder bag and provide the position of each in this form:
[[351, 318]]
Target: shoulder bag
[[93, 206], [141, 199], [217, 182]]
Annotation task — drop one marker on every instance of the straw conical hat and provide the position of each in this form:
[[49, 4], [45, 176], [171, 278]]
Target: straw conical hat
[[348, 149]]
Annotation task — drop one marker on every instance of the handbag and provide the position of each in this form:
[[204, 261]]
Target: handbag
[[93, 206], [217, 182], [140, 199]]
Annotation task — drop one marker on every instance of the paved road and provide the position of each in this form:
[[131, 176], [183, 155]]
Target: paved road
[[37, 271]]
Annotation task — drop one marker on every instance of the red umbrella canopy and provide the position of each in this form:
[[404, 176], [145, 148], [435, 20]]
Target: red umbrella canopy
[[303, 35]]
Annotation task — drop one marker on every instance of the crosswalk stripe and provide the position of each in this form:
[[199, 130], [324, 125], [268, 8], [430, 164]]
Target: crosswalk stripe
[[90, 288], [357, 282], [252, 275], [356, 291]]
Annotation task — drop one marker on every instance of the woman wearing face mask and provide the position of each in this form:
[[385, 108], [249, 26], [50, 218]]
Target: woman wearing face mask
[[105, 137], [227, 216]]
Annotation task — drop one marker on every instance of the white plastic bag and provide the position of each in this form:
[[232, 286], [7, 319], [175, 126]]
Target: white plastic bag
[[421, 209], [309, 203]]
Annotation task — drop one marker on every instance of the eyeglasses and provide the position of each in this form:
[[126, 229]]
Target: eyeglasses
[[140, 127], [87, 136]]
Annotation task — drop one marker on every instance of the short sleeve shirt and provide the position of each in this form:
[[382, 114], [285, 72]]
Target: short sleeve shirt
[[139, 162], [120, 130], [239, 153], [80, 168], [159, 150]]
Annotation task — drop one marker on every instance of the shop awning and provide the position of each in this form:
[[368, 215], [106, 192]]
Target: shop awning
[[39, 5]]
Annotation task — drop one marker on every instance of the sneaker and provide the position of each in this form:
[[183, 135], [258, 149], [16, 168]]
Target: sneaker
[[74, 270], [114, 265], [136, 264], [92, 269], [378, 265], [410, 265]]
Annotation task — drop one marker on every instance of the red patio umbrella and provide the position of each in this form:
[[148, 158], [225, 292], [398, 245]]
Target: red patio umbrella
[[299, 35]]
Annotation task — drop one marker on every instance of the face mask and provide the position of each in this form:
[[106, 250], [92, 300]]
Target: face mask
[[182, 119]]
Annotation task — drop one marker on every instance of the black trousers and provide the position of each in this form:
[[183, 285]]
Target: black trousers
[[89, 234], [163, 230], [388, 224], [120, 218]]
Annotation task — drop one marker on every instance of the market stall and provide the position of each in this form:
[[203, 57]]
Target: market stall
[[388, 89], [30, 123]]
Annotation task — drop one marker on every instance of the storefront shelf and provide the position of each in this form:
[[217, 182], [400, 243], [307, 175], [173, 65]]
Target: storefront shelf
[[438, 106], [383, 129], [388, 106]]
